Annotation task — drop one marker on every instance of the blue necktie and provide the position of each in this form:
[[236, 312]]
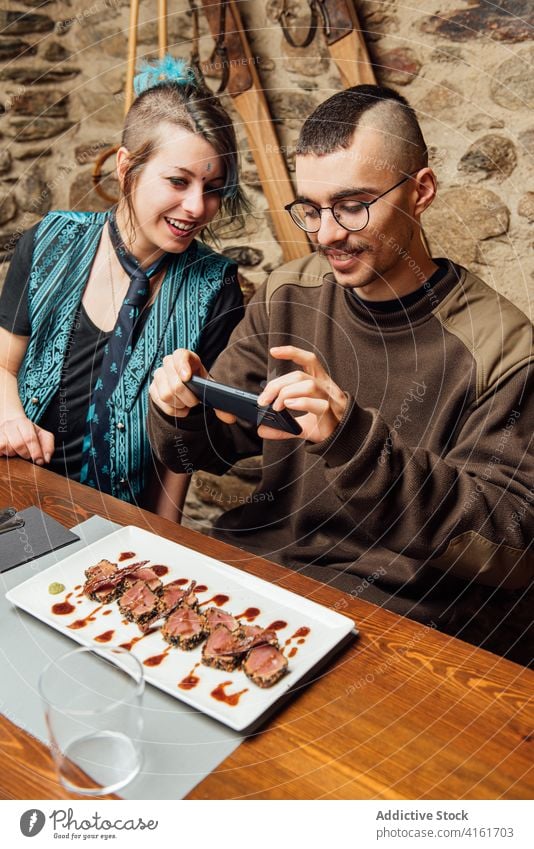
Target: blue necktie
[[96, 460]]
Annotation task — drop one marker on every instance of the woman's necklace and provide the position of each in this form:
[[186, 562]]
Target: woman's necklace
[[113, 299]]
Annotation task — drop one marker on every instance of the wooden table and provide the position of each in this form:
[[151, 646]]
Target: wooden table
[[404, 713]]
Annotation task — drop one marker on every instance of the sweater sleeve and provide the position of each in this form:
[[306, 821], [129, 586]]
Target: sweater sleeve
[[201, 440], [468, 512]]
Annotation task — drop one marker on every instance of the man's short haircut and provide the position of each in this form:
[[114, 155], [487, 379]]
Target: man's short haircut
[[332, 125]]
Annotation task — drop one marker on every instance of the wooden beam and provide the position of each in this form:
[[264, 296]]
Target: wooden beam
[[132, 54], [163, 38]]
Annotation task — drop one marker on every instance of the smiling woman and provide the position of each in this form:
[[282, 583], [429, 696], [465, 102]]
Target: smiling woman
[[172, 203], [94, 301]]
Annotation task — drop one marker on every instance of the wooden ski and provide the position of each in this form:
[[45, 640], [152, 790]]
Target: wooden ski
[[345, 42], [244, 86], [347, 48]]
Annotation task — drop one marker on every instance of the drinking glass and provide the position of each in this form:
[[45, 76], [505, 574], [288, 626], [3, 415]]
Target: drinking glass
[[92, 704]]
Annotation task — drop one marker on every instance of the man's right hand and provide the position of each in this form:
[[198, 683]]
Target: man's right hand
[[20, 437], [168, 390]]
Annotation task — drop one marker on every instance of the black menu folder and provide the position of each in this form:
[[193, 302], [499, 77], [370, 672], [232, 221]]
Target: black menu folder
[[39, 535]]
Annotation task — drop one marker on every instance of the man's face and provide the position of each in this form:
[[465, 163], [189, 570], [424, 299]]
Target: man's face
[[362, 172]]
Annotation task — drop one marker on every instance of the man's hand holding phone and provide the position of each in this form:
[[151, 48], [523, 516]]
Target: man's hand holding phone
[[309, 391], [169, 391]]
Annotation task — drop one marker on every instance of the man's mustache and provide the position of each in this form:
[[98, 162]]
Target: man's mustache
[[343, 247]]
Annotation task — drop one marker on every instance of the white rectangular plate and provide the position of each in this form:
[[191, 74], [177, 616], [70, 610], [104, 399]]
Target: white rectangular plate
[[326, 628]]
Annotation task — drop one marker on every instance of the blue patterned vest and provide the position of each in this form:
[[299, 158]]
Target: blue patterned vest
[[65, 246]]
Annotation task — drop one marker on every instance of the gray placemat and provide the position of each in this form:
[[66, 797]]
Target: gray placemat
[[181, 745]]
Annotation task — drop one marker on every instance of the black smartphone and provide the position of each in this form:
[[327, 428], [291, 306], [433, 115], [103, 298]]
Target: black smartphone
[[242, 404]]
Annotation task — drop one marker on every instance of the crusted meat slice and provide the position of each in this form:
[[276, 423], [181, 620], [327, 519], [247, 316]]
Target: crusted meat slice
[[226, 649], [252, 630], [184, 628], [255, 635], [99, 586], [174, 595], [215, 616], [107, 587], [265, 665], [146, 574], [139, 604], [103, 569], [221, 650]]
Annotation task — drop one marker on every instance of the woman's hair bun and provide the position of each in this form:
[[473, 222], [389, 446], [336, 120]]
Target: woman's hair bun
[[164, 71]]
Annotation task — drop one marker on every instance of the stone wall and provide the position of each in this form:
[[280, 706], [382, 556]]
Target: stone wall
[[465, 65]]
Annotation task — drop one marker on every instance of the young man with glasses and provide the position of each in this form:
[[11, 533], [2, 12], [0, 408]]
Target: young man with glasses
[[411, 482]]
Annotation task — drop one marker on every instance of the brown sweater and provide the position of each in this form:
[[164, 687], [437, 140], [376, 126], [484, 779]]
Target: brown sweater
[[421, 499]]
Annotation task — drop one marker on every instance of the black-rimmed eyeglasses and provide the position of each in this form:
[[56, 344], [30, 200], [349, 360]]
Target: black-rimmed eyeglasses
[[352, 215]]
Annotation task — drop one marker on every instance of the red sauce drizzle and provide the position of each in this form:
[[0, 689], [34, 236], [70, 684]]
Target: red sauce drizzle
[[277, 625], [106, 612], [78, 587], [63, 608], [293, 652], [129, 645], [126, 555], [201, 588], [160, 570], [191, 680], [219, 600], [299, 636], [81, 623], [156, 659], [106, 637], [180, 582], [249, 614], [221, 695]]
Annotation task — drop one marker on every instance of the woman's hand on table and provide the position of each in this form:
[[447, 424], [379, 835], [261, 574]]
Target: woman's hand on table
[[20, 437]]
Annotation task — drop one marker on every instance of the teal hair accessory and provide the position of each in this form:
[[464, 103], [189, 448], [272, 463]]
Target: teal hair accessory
[[162, 72]]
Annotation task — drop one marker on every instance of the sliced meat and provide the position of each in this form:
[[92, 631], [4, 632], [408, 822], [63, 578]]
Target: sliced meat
[[225, 649], [215, 616], [99, 586], [173, 595], [103, 569], [146, 574], [256, 636], [265, 665], [221, 650], [252, 630], [105, 588], [184, 628], [252, 635], [139, 604], [190, 598]]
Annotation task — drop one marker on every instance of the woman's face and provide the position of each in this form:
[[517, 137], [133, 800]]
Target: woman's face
[[177, 193]]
